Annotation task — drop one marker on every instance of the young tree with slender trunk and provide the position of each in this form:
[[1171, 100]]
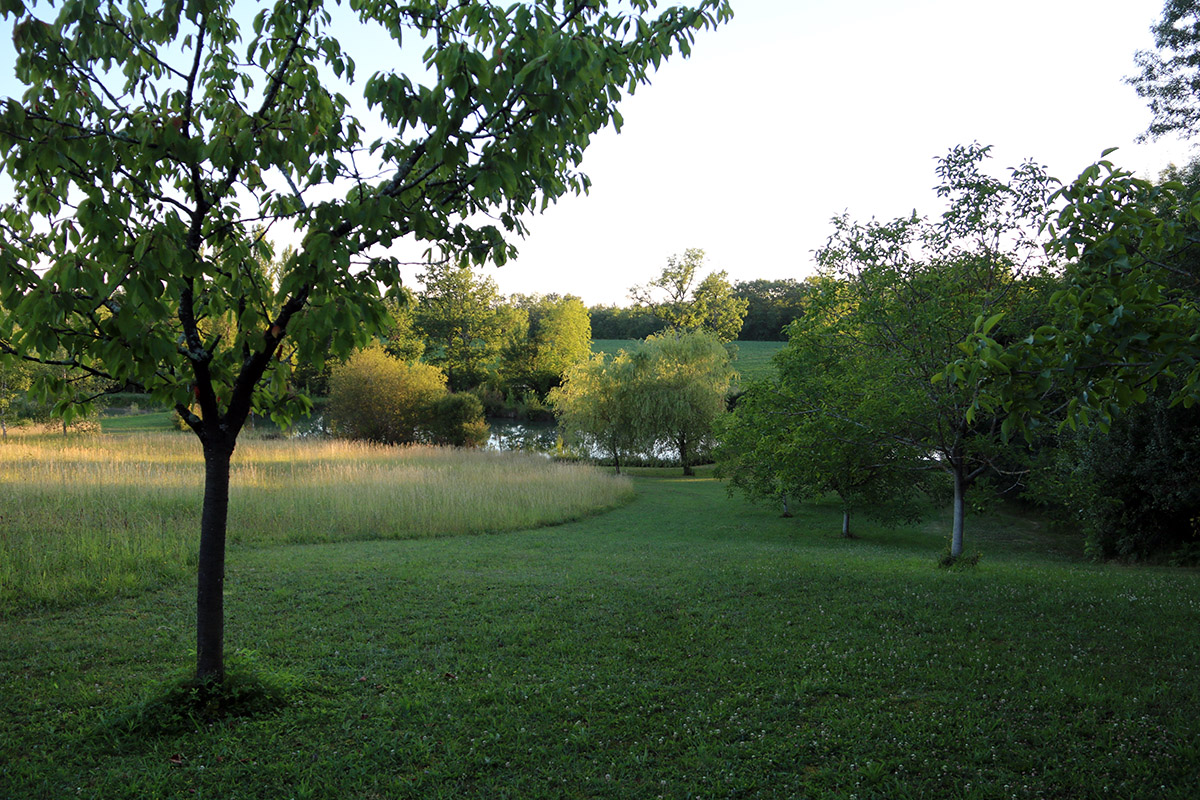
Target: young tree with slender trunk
[[913, 291], [154, 150]]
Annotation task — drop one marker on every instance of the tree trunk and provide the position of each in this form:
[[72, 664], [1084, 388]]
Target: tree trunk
[[787, 510], [683, 457], [846, 523], [210, 571], [960, 512]]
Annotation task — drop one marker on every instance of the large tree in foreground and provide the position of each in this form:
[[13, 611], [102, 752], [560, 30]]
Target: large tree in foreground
[[154, 150]]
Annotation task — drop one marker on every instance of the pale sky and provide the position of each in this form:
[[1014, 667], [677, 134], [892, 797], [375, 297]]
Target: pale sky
[[797, 111]]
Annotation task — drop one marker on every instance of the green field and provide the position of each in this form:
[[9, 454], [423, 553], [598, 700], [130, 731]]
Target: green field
[[684, 645], [753, 358]]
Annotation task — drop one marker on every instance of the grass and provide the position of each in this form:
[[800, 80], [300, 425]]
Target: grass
[[684, 645], [147, 422], [753, 359], [95, 516]]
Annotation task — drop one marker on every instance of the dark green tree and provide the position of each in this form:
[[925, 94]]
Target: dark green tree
[[913, 291], [458, 315], [623, 322], [826, 423], [771, 305], [15, 377], [152, 146], [1168, 79]]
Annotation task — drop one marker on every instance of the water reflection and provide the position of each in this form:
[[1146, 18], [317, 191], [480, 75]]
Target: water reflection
[[533, 437], [530, 437]]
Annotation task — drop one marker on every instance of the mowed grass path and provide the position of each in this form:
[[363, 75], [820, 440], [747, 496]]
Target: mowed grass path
[[685, 645]]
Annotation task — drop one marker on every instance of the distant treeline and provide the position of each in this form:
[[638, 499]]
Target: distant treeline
[[773, 304]]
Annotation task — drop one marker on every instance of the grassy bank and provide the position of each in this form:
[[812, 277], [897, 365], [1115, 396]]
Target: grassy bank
[[684, 645], [95, 516], [753, 359]]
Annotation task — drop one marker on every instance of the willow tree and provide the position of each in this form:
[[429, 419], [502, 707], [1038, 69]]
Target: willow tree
[[682, 391], [598, 406], [155, 149]]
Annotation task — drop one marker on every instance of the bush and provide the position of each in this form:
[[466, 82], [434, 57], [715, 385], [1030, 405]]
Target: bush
[[457, 420], [1135, 490], [376, 397]]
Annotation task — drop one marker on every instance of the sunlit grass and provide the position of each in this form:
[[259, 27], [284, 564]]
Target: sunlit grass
[[94, 516]]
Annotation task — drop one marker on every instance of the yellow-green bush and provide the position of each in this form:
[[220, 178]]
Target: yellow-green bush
[[376, 397]]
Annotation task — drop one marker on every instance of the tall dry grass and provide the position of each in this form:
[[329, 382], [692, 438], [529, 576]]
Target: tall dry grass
[[93, 516]]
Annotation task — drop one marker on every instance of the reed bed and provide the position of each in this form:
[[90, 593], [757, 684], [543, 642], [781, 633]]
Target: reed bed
[[94, 516]]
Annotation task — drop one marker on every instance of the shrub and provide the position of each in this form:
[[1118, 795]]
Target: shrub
[[376, 397], [379, 398], [457, 420]]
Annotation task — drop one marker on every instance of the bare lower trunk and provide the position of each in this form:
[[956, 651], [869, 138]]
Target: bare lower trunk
[[846, 524], [210, 571], [787, 510], [683, 457], [960, 513]]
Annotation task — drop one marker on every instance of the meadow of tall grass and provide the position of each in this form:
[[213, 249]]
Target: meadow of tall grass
[[83, 517]]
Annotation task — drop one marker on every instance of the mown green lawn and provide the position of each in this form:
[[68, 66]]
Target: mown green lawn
[[685, 645], [753, 358]]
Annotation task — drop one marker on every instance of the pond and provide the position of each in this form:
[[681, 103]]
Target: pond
[[506, 434], [533, 437]]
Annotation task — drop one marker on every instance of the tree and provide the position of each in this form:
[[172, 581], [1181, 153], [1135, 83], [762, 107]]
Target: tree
[[914, 290], [685, 305], [14, 380], [458, 421], [1123, 320], [557, 336], [1168, 80], [1120, 332], [152, 148], [800, 434], [399, 335], [617, 322], [458, 314], [597, 405], [1134, 489], [681, 391], [770, 307]]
